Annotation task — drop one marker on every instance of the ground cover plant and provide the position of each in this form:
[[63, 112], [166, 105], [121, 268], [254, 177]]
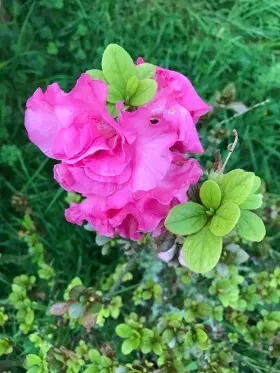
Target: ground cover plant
[[72, 301]]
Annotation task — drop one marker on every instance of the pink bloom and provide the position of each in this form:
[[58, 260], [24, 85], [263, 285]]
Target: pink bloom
[[132, 170], [69, 125], [145, 211]]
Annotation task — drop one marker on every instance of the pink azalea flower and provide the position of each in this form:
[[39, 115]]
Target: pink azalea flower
[[132, 170], [69, 125]]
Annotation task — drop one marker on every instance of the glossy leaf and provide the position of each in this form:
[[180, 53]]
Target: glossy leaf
[[117, 66], [145, 71], [131, 86], [253, 202], [202, 250], [145, 92], [225, 219], [210, 194], [186, 219], [236, 186], [96, 74], [250, 226]]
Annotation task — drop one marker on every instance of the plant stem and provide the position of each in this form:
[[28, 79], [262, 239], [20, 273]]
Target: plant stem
[[231, 149], [126, 269], [244, 112]]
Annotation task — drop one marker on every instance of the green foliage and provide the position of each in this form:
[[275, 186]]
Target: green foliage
[[250, 226], [225, 219], [202, 250], [126, 82], [224, 208], [236, 186], [210, 194], [186, 219], [53, 40]]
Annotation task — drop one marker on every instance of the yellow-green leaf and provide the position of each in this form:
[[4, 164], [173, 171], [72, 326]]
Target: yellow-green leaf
[[225, 218], [256, 184], [186, 219], [202, 250], [114, 95], [250, 226], [117, 66], [236, 186], [253, 202], [210, 194], [131, 86], [145, 71], [145, 92], [96, 74]]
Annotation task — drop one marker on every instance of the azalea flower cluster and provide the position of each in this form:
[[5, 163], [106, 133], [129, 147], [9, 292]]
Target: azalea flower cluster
[[131, 168]]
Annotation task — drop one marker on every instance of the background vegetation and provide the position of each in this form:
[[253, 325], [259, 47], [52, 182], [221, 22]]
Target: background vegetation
[[214, 43]]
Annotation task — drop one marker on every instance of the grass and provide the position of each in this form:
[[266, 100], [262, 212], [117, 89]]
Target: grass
[[212, 42]]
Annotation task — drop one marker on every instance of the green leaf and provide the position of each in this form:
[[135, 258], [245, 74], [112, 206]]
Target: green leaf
[[112, 109], [256, 185], [76, 310], [189, 316], [127, 347], [94, 355], [145, 92], [236, 186], [225, 218], [201, 335], [114, 95], [157, 348], [131, 87], [117, 66], [210, 194], [250, 226], [32, 360], [202, 250], [145, 71], [186, 219], [92, 369], [96, 74], [124, 330], [34, 369], [105, 361], [253, 202]]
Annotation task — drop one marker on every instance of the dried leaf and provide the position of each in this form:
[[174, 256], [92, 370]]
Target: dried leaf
[[238, 107], [59, 309]]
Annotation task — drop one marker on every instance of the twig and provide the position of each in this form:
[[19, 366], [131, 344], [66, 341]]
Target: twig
[[231, 149], [244, 112], [126, 269]]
